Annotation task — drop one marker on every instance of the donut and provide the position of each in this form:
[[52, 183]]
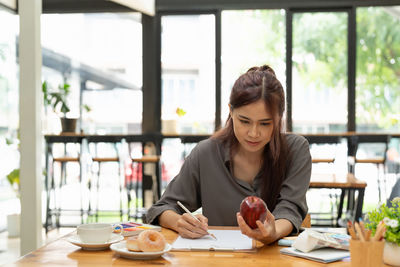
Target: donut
[[151, 241], [132, 244]]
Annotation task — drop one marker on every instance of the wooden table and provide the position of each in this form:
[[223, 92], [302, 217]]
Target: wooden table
[[61, 253], [349, 184]]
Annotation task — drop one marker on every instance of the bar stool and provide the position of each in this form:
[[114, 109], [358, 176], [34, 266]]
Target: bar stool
[[143, 183], [376, 157], [53, 189], [94, 183], [317, 141]]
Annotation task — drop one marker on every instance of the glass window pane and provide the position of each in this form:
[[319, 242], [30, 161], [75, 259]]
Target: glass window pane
[[319, 72], [378, 69], [188, 74], [9, 113], [8, 72], [100, 54], [250, 38]]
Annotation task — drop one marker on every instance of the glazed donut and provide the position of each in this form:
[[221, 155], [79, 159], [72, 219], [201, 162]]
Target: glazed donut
[[132, 244], [150, 240]]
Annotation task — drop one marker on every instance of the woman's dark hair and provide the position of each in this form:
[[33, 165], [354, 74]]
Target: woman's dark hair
[[261, 83]]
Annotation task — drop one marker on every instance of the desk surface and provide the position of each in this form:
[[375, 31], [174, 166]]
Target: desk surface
[[62, 253]]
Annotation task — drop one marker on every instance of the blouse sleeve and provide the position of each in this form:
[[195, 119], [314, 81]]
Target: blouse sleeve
[[292, 204], [185, 187]]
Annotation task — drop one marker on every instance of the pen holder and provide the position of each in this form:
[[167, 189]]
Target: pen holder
[[366, 254]]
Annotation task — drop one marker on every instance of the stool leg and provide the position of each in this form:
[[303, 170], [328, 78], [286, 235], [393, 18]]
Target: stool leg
[[128, 195], [47, 188], [384, 181], [81, 190], [62, 178], [51, 192], [120, 192], [340, 208], [129, 190], [137, 190], [379, 184], [90, 194], [97, 192]]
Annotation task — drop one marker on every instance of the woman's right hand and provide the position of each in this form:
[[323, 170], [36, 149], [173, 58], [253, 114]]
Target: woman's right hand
[[189, 227]]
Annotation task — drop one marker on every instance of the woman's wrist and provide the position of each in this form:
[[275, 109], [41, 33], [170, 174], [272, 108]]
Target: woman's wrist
[[271, 238], [282, 228], [169, 219]]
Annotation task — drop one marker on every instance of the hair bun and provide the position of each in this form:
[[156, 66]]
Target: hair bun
[[263, 68]]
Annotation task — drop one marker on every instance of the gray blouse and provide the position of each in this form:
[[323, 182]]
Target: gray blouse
[[205, 181]]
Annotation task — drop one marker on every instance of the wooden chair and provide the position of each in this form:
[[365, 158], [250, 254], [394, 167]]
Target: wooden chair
[[324, 150], [306, 222], [349, 185], [378, 159], [319, 140]]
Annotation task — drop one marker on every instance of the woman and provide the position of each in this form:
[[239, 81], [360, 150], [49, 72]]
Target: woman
[[249, 156]]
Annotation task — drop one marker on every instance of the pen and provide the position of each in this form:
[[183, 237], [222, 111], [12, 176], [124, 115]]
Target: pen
[[359, 232], [350, 228], [362, 226], [197, 219], [380, 230]]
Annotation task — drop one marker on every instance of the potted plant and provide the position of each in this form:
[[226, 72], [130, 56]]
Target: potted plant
[[57, 99], [13, 220], [171, 126], [390, 216]]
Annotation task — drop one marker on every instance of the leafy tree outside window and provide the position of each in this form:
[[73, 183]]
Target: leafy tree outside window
[[378, 69]]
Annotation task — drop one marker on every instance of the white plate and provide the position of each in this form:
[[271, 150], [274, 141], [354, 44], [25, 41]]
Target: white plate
[[94, 246], [121, 250]]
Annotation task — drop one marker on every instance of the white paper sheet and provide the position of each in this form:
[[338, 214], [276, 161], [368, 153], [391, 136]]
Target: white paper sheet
[[226, 240], [324, 255]]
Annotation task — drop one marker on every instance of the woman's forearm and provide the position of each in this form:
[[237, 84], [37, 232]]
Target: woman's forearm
[[283, 228], [169, 219]]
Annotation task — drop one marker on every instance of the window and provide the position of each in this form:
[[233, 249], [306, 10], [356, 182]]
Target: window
[[188, 74], [319, 93], [100, 56], [8, 72], [250, 38], [378, 69], [9, 113]]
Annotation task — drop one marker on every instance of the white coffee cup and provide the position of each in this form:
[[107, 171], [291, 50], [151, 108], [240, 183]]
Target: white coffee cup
[[96, 233]]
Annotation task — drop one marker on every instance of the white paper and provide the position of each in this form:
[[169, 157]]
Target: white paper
[[322, 255], [226, 240]]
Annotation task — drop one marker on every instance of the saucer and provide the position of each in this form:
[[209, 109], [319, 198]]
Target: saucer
[[121, 250], [94, 246]]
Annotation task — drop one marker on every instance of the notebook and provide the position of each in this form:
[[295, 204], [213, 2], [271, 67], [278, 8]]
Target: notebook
[[324, 255], [227, 240]]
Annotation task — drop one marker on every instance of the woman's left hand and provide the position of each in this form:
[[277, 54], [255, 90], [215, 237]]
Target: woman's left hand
[[266, 232]]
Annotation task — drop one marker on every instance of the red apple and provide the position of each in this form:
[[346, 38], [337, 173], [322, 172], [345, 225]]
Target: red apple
[[252, 209]]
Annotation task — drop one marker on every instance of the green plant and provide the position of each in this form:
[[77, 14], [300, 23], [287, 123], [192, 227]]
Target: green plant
[[87, 108], [13, 179], [180, 112], [13, 176], [57, 99], [391, 219]]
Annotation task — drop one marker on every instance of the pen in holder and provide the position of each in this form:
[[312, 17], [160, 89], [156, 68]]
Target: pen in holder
[[365, 251]]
